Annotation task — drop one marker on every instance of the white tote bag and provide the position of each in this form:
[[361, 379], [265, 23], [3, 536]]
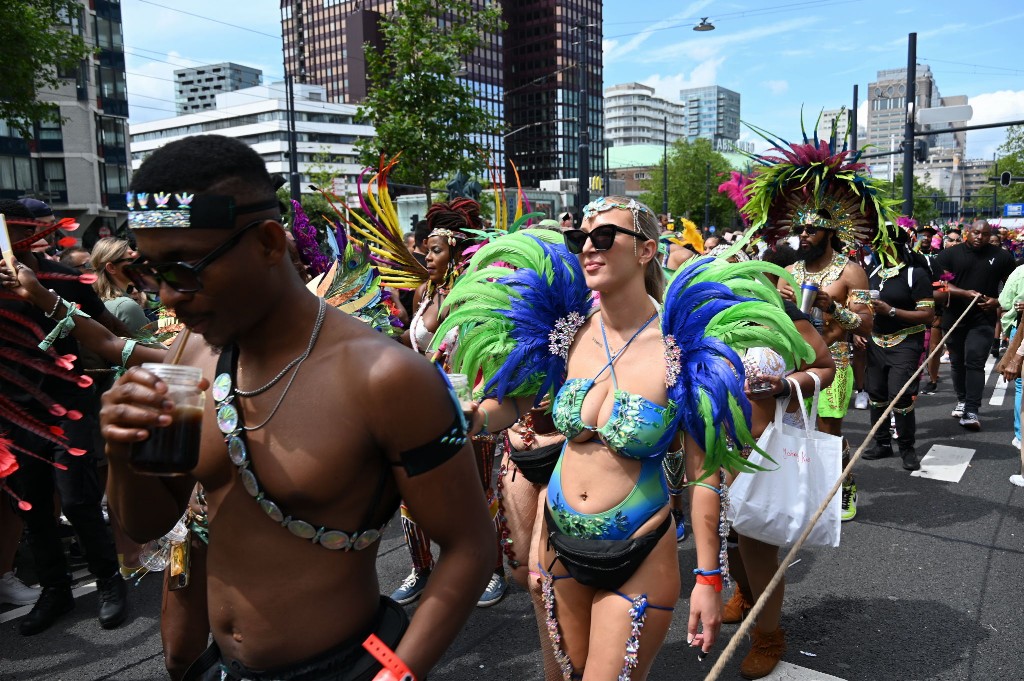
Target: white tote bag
[[775, 505]]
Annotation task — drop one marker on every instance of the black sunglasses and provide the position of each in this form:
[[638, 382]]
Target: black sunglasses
[[183, 277], [800, 229], [602, 237]]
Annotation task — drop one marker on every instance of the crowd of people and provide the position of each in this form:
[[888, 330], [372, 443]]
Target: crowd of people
[[618, 373]]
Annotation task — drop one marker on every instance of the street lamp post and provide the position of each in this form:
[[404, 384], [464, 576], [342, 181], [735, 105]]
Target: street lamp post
[[583, 188], [707, 198], [664, 169]]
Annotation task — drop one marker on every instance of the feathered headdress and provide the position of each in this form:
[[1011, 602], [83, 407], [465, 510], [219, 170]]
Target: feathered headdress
[[688, 236], [736, 189], [817, 184], [377, 225]]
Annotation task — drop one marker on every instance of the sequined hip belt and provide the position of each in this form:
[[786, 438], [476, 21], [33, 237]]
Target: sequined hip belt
[[891, 340], [842, 353]]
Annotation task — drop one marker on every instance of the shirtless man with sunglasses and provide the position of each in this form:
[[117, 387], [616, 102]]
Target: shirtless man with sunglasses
[[838, 315]]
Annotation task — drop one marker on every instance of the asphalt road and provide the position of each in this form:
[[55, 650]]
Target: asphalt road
[[927, 584]]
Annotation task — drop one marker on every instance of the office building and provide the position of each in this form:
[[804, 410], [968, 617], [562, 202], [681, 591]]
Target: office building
[[196, 88], [325, 131], [527, 78], [79, 165], [634, 115], [712, 112], [324, 43], [887, 105], [554, 51]]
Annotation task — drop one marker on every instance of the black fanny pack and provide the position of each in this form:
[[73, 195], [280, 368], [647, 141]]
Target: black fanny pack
[[602, 563], [536, 465]]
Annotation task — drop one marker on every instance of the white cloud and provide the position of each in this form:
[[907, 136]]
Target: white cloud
[[777, 87], [614, 50], [668, 86], [705, 47], [992, 107]]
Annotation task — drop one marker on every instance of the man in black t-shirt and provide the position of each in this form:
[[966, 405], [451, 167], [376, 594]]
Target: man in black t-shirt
[[978, 270], [80, 486], [902, 311]]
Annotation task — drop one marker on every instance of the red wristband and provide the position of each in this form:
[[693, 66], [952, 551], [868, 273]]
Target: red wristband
[[711, 580]]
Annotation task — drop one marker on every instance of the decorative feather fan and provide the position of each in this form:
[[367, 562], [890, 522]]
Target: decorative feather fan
[[517, 307], [378, 227], [713, 310]]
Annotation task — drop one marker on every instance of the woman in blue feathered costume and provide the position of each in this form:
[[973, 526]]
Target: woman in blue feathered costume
[[631, 380]]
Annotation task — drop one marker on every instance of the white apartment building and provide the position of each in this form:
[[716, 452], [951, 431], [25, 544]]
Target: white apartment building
[[326, 132], [634, 115]]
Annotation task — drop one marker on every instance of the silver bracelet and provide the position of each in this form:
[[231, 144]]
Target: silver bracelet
[[56, 306]]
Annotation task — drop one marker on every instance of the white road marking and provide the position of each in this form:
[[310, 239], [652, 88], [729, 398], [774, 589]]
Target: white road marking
[[945, 463], [80, 590], [999, 392], [990, 364], [785, 671]]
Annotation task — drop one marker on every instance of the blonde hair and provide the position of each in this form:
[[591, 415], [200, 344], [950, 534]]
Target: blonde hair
[[650, 227], [105, 251]]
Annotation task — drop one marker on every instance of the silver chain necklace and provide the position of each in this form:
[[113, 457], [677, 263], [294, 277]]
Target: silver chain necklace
[[264, 388], [297, 363]]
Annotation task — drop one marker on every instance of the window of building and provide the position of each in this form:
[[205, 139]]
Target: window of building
[[54, 179], [49, 130], [15, 173]]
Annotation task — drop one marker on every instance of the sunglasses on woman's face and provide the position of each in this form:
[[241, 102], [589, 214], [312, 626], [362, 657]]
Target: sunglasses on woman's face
[[800, 229], [601, 237]]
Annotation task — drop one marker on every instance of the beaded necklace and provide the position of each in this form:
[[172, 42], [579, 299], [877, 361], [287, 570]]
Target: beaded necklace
[[231, 424]]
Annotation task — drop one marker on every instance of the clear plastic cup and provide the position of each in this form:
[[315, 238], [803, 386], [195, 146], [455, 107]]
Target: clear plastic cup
[[173, 450]]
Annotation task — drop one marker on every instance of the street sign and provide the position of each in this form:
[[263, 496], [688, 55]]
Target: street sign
[[945, 114], [1013, 210]]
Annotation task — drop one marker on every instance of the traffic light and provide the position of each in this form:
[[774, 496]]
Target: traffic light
[[414, 219], [920, 150], [1005, 178]]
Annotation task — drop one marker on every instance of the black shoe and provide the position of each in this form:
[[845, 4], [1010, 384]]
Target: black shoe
[[53, 602], [113, 600], [910, 460], [879, 452], [929, 388]]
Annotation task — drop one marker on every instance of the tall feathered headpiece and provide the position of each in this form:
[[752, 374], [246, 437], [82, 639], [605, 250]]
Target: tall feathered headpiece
[[736, 189], [817, 184], [688, 236], [376, 224]]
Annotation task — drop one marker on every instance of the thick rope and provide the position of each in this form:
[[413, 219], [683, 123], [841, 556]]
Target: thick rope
[[745, 627]]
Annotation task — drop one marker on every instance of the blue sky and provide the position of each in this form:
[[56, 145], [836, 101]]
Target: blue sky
[[779, 54]]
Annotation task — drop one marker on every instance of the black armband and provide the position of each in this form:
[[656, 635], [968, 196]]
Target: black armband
[[430, 455]]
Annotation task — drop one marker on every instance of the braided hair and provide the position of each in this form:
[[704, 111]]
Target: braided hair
[[452, 220]]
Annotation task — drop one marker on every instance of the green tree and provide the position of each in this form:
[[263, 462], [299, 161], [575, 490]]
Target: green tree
[[35, 48], [925, 198], [416, 102], [320, 173], [688, 183]]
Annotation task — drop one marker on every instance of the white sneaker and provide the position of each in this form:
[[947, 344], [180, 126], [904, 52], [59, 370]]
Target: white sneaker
[[1015, 443], [860, 400], [944, 359], [14, 592], [958, 410], [1017, 480]]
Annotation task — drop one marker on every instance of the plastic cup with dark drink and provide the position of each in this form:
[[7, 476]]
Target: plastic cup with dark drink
[[174, 449]]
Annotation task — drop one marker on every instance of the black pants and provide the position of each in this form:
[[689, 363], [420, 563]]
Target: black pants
[[888, 370], [80, 496], [968, 352], [347, 661]]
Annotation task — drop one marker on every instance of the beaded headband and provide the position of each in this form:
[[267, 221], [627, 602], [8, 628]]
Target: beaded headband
[[602, 204], [166, 210], [453, 237]]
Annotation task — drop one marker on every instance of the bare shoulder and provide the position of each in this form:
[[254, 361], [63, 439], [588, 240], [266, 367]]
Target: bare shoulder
[[854, 275]]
